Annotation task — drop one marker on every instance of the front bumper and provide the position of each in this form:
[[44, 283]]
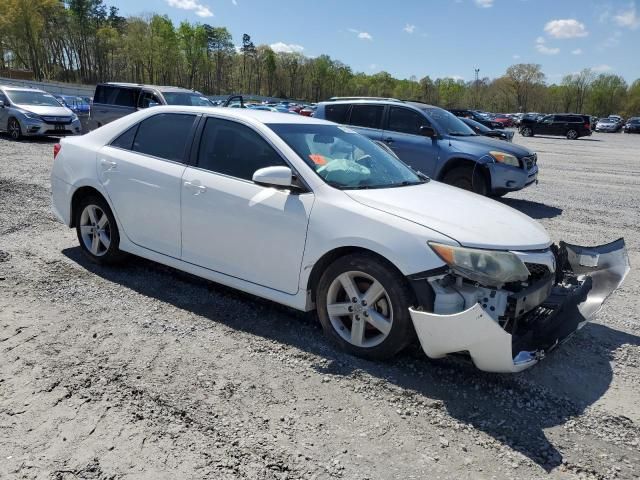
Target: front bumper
[[588, 276], [33, 127], [505, 178]]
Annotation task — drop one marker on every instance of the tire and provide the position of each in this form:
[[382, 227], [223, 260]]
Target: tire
[[526, 132], [572, 135], [102, 248], [375, 331], [13, 129], [467, 178]]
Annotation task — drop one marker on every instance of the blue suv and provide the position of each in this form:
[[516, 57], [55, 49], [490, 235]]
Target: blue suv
[[437, 143]]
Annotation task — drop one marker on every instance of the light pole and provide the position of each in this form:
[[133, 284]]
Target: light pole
[[477, 70]]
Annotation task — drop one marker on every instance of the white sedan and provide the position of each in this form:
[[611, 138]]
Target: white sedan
[[312, 215]]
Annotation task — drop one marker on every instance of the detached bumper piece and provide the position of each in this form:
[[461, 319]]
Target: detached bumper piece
[[585, 277]]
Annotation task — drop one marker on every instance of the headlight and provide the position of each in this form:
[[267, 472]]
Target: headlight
[[487, 267], [74, 117], [30, 115], [506, 158]]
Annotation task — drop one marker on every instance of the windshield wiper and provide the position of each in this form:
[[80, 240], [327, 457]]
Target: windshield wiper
[[462, 134]]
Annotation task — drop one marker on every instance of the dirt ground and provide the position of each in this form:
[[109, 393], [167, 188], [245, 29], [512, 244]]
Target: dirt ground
[[143, 372]]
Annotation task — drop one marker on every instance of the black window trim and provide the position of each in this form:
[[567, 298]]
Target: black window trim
[[186, 155], [387, 119], [197, 144], [381, 124]]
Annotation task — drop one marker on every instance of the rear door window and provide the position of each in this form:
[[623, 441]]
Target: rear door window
[[164, 136], [368, 116]]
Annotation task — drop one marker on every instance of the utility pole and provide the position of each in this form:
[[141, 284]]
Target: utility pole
[[477, 70]]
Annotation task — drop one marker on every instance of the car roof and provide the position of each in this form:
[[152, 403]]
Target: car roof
[[21, 89], [374, 100], [161, 88], [261, 116]]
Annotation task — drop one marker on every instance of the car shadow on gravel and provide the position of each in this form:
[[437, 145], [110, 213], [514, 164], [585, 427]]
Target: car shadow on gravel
[[34, 140], [514, 410], [535, 210]]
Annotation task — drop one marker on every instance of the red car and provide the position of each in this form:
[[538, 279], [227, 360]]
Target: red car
[[504, 120]]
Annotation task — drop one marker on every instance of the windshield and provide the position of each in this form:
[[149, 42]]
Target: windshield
[[345, 159], [192, 99], [476, 125], [20, 97], [448, 122]]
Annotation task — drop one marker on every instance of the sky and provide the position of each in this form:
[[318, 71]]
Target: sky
[[439, 38]]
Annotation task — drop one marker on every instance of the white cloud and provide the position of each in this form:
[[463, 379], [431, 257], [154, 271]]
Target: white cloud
[[484, 3], [361, 35], [235, 2], [542, 48], [198, 8], [602, 68], [577, 51], [409, 28], [281, 47], [516, 56], [567, 28], [628, 18]]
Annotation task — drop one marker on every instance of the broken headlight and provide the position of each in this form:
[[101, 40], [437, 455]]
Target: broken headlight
[[487, 267]]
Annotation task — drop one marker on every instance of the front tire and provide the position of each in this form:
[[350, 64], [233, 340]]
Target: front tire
[[526, 132], [14, 130], [467, 178], [97, 231], [363, 306]]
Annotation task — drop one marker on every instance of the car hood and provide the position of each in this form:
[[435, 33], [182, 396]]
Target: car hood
[[470, 219], [482, 145], [45, 110]]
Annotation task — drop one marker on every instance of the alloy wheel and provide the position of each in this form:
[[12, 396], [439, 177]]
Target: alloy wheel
[[95, 230], [14, 129], [572, 134], [359, 309]]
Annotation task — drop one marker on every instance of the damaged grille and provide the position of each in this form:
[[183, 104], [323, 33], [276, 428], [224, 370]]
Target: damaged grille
[[537, 270], [530, 161]]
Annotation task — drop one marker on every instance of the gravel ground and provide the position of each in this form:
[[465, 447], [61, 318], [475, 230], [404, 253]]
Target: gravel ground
[[148, 373]]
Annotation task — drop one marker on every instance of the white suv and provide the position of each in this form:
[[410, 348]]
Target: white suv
[[312, 215]]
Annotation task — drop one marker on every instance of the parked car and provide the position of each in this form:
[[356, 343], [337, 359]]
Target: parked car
[[478, 117], [384, 253], [504, 120], [77, 105], [438, 143], [480, 129], [565, 125], [632, 125], [609, 125], [115, 100], [27, 112]]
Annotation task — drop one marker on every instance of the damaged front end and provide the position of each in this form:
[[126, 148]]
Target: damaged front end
[[510, 328]]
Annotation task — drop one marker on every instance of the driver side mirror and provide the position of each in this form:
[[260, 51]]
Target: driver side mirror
[[427, 131], [153, 104], [274, 177], [1, 104]]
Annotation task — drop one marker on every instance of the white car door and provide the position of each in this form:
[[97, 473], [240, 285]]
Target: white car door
[[234, 226], [142, 173]]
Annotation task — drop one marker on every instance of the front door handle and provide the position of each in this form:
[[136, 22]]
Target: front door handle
[[197, 189], [108, 165], [388, 140]]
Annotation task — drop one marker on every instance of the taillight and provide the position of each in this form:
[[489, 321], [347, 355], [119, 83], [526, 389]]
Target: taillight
[[56, 150], [587, 126]]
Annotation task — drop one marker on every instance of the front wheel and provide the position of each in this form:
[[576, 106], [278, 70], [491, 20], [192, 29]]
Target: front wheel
[[468, 178], [572, 134], [97, 231], [526, 132], [14, 130], [363, 306]]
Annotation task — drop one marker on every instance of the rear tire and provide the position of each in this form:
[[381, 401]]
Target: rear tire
[[572, 135], [375, 330], [97, 231], [526, 132], [468, 178]]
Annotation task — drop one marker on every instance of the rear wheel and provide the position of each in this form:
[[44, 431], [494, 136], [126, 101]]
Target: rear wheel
[[97, 231], [363, 306], [13, 129], [526, 132], [572, 134], [467, 178]]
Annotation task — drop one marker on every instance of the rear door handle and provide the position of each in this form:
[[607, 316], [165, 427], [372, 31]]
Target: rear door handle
[[197, 189]]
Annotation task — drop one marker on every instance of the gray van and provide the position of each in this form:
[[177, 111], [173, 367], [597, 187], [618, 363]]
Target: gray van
[[115, 100], [437, 143]]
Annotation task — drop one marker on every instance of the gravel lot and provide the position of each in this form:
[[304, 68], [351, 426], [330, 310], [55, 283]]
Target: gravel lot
[[147, 373]]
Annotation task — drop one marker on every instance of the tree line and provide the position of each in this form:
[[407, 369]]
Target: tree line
[[87, 41]]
